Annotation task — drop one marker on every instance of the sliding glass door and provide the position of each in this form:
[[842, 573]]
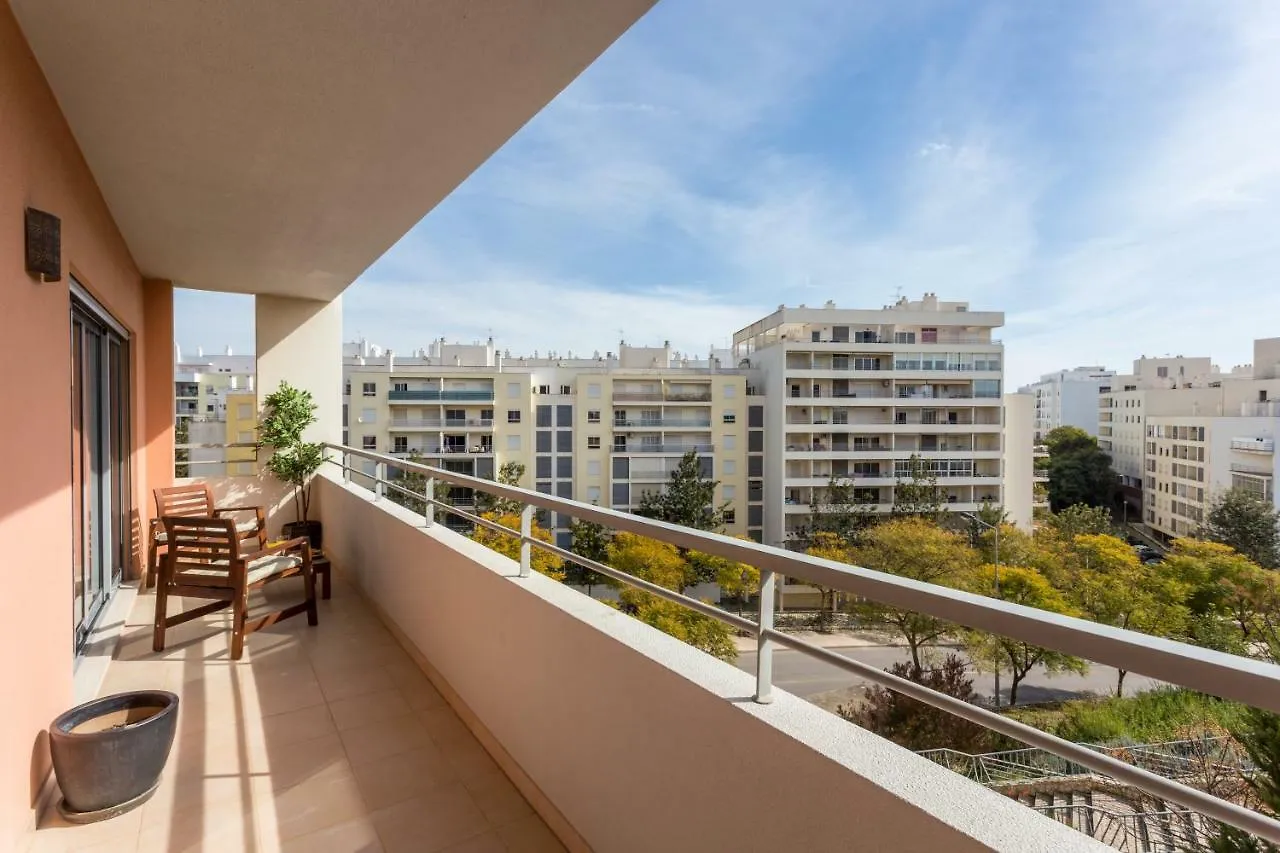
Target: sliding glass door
[[100, 486]]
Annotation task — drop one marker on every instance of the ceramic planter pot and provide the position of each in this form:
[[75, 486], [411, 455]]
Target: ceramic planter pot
[[310, 529], [108, 754]]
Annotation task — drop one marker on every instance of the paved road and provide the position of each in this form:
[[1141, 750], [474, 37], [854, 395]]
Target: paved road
[[802, 675]]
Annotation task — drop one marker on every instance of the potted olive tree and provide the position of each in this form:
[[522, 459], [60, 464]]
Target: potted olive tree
[[287, 412]]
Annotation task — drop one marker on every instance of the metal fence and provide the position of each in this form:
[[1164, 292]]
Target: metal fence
[[1232, 677]]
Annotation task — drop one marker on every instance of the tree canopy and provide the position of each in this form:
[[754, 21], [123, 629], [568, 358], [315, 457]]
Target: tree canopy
[[1246, 523], [689, 498], [540, 561], [1079, 472]]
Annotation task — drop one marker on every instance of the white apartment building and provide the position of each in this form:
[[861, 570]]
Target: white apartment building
[[604, 429], [201, 386], [1068, 398], [854, 393], [1179, 430]]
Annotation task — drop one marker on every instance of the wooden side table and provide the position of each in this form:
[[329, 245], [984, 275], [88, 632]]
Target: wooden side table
[[320, 563]]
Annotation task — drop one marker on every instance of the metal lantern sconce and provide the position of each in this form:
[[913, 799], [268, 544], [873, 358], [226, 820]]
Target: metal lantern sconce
[[44, 245]]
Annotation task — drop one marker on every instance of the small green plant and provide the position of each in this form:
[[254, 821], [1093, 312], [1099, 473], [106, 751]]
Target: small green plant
[[287, 412]]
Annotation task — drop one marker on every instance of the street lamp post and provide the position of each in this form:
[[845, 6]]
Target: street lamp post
[[995, 529]]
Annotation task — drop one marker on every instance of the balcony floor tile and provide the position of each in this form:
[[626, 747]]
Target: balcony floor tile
[[320, 739]]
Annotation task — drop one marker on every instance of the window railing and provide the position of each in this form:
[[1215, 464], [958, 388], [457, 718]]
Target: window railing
[[664, 422], [662, 448], [435, 394], [1229, 676], [196, 459]]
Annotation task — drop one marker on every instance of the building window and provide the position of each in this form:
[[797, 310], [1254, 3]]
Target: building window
[[730, 467], [245, 411], [209, 407], [593, 468], [513, 442], [566, 389], [730, 418], [513, 389], [593, 494], [370, 442], [370, 389], [730, 392], [401, 386], [593, 416], [368, 416], [543, 441], [730, 516], [593, 442], [593, 389], [346, 388], [730, 442], [513, 416], [544, 389], [543, 468], [729, 492], [400, 444]]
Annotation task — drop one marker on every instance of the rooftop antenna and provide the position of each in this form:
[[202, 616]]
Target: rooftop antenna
[[897, 294]]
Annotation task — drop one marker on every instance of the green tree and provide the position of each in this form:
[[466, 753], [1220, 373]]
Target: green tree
[[837, 509], [1017, 657], [663, 564], [416, 482], [507, 545], [1079, 520], [509, 474], [689, 498], [1079, 472], [1231, 600], [917, 549], [1260, 737], [589, 540], [918, 726], [828, 546], [1248, 524], [1111, 585], [917, 494]]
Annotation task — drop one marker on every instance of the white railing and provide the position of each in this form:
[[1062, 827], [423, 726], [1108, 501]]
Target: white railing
[[1254, 445], [1242, 679]]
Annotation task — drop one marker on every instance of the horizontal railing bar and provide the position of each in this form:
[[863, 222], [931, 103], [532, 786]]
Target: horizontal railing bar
[[233, 445], [1167, 789], [702, 607], [1249, 681]]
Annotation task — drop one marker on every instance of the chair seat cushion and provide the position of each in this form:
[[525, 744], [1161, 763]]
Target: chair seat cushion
[[264, 567], [244, 529]]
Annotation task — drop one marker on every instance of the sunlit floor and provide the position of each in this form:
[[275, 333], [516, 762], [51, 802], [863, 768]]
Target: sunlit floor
[[320, 739]]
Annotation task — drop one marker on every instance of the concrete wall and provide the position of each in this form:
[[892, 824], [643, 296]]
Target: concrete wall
[[630, 737], [1018, 469], [42, 167]]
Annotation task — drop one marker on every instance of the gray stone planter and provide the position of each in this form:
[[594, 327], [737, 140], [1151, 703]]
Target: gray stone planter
[[108, 754]]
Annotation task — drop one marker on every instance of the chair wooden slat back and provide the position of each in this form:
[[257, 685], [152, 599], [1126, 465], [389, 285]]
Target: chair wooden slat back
[[194, 499], [202, 550]]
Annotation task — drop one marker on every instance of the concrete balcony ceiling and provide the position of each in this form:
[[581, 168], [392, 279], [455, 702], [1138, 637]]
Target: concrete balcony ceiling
[[283, 147]]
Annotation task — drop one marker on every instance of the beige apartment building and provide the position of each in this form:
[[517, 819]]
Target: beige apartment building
[[1180, 431], [855, 393], [605, 429]]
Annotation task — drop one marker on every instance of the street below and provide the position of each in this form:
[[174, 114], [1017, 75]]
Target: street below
[[809, 678]]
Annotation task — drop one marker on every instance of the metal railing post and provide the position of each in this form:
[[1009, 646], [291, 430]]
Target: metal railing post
[[429, 508], [526, 534], [380, 480], [346, 467], [764, 645]]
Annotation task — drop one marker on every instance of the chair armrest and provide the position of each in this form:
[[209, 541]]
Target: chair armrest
[[300, 542], [224, 509]]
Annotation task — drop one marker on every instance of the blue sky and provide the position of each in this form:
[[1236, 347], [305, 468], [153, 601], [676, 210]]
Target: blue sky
[[1106, 173]]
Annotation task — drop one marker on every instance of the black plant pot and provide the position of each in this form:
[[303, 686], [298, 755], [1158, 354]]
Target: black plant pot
[[108, 754], [310, 529]]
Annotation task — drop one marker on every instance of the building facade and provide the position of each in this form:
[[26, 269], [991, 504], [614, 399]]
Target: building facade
[[203, 390], [1068, 398], [855, 394], [605, 430]]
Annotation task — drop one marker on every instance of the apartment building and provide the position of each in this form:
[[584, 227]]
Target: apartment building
[[1197, 432], [1068, 398], [604, 429], [210, 393], [855, 393]]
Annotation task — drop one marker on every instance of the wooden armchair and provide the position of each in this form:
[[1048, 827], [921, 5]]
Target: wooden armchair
[[203, 560], [195, 499]]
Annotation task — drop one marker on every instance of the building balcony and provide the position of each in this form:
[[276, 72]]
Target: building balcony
[[420, 395], [663, 423], [662, 448], [1251, 470], [1254, 445]]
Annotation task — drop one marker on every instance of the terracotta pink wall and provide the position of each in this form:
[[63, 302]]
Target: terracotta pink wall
[[41, 166]]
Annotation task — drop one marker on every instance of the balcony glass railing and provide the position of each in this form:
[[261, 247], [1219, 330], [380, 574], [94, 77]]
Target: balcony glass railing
[[1228, 676], [663, 448], [663, 422], [430, 394]]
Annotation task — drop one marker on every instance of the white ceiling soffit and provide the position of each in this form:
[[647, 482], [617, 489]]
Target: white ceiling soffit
[[281, 147]]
